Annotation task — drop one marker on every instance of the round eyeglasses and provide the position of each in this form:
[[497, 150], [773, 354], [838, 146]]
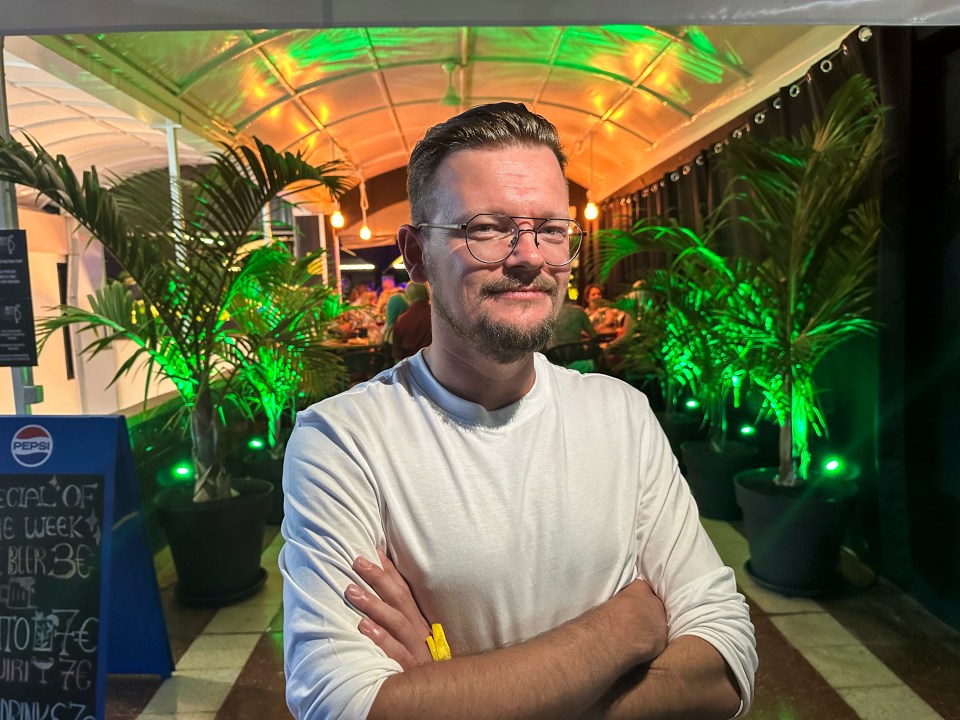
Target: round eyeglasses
[[491, 238]]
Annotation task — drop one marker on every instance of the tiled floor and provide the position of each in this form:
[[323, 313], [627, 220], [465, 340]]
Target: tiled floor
[[869, 653]]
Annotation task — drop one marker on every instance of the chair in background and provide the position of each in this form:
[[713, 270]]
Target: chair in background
[[364, 363], [581, 356]]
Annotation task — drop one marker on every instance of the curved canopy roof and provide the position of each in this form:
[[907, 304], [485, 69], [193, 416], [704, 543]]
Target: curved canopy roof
[[625, 97]]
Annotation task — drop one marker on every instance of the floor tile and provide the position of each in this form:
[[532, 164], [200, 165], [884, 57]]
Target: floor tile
[[259, 690], [276, 623], [272, 591], [888, 703], [787, 686], [127, 695], [191, 691], [212, 652], [771, 602], [243, 618], [807, 630], [850, 666]]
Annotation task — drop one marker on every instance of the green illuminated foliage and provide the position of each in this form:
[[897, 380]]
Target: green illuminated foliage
[[191, 291], [696, 349], [282, 317], [805, 199], [721, 323]]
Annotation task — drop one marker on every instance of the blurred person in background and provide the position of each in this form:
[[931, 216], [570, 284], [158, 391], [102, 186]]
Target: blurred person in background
[[412, 330]]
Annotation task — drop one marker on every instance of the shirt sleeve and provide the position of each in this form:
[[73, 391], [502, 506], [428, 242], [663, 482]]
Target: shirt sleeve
[[331, 515], [676, 557]]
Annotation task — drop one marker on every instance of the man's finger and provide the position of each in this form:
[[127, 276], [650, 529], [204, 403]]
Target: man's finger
[[386, 642], [389, 584], [393, 621]]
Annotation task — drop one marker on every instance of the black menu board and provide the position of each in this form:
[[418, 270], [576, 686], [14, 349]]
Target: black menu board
[[18, 340], [50, 536]]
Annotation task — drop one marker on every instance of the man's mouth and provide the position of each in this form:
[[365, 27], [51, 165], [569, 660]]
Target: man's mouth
[[523, 292]]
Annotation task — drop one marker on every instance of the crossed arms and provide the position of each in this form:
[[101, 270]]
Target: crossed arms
[[554, 592], [612, 662]]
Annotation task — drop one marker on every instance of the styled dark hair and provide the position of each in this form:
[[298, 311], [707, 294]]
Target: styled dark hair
[[502, 124]]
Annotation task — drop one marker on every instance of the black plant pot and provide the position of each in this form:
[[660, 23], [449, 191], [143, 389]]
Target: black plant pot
[[216, 545], [794, 534], [680, 427], [263, 467], [710, 475]]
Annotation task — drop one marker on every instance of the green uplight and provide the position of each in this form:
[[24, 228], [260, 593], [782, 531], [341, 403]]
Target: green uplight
[[833, 466], [256, 444], [748, 430], [183, 470], [692, 404], [148, 448]]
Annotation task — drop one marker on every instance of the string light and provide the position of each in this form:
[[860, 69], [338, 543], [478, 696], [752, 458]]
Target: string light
[[825, 65], [591, 212], [365, 233], [337, 220]]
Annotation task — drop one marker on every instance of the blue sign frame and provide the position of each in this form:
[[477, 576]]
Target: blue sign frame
[[132, 634]]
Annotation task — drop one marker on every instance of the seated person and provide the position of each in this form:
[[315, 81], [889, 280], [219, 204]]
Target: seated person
[[607, 321], [412, 330], [573, 325], [388, 289], [396, 306]]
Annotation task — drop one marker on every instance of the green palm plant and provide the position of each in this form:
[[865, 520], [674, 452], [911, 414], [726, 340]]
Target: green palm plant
[[695, 349], [186, 325], [286, 304], [802, 198]]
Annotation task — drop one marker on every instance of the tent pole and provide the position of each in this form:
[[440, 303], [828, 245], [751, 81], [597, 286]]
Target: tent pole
[[25, 393]]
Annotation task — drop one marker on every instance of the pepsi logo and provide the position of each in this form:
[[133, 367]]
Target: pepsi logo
[[32, 445]]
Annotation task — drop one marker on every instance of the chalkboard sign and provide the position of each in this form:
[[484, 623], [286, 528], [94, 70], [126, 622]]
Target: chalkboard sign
[[50, 538], [71, 535]]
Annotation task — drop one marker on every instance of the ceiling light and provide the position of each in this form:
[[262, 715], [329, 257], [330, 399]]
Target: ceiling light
[[336, 220], [591, 211], [365, 233]]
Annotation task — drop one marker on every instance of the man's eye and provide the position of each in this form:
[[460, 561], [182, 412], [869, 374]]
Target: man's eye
[[554, 233]]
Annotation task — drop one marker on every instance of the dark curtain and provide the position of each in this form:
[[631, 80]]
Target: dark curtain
[[688, 193]]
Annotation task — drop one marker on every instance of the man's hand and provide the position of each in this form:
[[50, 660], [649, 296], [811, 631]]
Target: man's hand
[[646, 619], [393, 621]]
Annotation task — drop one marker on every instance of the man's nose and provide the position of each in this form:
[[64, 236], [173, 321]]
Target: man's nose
[[526, 251]]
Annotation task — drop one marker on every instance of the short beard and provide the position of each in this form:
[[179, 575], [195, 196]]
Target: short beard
[[500, 341]]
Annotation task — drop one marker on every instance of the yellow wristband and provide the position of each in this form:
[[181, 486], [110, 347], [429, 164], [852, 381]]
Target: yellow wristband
[[439, 649]]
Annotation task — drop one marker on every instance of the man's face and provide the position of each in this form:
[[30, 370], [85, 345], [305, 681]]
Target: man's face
[[508, 309]]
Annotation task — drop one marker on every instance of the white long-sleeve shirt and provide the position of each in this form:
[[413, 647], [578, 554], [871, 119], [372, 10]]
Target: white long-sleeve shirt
[[505, 524]]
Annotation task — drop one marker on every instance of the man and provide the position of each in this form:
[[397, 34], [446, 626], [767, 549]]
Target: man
[[573, 325], [412, 329], [388, 288], [535, 513]]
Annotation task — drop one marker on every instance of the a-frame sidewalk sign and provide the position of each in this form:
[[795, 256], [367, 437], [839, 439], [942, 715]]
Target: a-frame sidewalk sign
[[78, 589]]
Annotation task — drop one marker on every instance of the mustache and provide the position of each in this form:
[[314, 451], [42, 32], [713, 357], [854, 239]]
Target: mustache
[[540, 283]]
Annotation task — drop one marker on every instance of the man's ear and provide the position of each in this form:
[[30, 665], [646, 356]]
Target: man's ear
[[410, 240]]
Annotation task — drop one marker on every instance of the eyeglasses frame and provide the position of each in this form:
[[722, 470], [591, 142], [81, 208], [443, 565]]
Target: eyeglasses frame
[[513, 245]]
